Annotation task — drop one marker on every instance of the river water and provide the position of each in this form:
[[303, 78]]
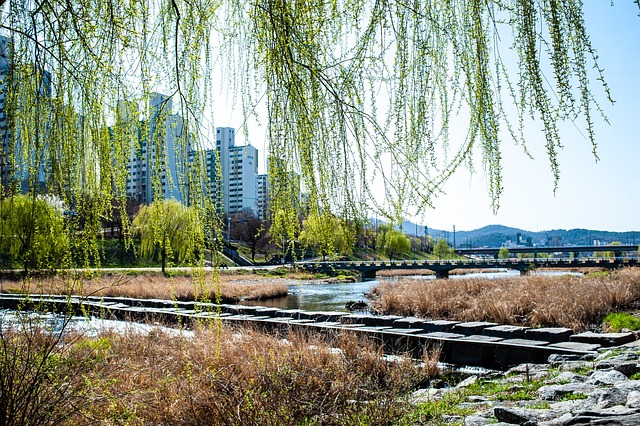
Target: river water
[[322, 296]]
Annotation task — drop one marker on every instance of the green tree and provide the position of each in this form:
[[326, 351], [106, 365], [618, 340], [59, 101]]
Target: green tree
[[326, 235], [441, 249], [32, 232], [395, 244], [504, 253], [169, 231]]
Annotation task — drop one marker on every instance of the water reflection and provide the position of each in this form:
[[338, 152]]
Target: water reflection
[[321, 296]]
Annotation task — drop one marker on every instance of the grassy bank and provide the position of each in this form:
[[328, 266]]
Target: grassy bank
[[230, 287], [579, 303], [221, 376]]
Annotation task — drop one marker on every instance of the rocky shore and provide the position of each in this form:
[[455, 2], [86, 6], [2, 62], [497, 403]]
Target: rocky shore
[[601, 389]]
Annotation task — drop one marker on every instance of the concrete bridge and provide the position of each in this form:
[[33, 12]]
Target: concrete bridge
[[443, 267], [575, 251], [481, 344]]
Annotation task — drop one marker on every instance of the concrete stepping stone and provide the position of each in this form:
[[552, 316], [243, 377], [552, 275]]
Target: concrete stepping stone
[[604, 339], [506, 331], [471, 328], [576, 346], [438, 325], [549, 334]]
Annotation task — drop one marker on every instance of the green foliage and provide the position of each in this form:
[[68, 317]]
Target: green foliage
[[442, 250], [617, 321], [394, 244], [503, 253], [32, 232], [327, 235], [169, 231]]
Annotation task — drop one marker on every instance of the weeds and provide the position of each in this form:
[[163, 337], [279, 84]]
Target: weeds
[[234, 376], [617, 321]]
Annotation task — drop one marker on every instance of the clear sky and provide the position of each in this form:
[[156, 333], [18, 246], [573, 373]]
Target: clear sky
[[602, 195]]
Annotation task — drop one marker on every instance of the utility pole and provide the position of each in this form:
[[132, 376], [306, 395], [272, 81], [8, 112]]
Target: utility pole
[[454, 237]]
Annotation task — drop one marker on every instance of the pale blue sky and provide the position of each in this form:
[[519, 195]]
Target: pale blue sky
[[599, 195]]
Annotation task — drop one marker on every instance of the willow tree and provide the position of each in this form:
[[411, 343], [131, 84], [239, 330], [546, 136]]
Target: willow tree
[[168, 232], [354, 91]]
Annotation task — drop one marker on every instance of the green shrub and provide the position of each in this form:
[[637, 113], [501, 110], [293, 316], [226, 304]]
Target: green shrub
[[617, 321]]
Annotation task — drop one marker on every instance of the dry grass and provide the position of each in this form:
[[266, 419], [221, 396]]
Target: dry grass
[[228, 376], [567, 301], [151, 285]]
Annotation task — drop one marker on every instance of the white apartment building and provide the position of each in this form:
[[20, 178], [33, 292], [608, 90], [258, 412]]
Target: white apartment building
[[239, 168], [262, 191], [163, 152]]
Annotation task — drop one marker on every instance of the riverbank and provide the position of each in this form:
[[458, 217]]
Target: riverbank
[[576, 302], [602, 389], [227, 286]]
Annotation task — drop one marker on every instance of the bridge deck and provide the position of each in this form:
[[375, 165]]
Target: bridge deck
[[443, 267]]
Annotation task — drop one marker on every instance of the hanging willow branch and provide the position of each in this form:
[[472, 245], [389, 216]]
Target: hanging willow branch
[[357, 92]]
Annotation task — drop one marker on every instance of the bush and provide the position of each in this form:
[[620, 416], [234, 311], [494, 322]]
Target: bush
[[617, 321]]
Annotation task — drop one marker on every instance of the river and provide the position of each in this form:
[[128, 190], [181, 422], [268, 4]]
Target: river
[[322, 296]]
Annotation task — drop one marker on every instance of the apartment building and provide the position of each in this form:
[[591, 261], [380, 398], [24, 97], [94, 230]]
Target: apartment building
[[163, 151]]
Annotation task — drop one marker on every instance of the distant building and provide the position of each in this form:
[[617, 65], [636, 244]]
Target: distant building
[[22, 175], [163, 152], [262, 191]]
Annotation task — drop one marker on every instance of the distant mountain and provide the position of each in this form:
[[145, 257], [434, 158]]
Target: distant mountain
[[497, 235]]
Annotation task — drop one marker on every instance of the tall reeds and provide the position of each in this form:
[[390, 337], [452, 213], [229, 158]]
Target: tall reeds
[[576, 302]]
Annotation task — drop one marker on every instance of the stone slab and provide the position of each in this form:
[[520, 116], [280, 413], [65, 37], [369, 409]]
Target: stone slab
[[576, 346], [370, 320], [471, 328], [409, 322], [506, 331], [525, 342], [549, 334], [604, 339], [441, 335], [270, 312], [438, 325], [482, 338], [322, 316], [293, 313], [404, 330]]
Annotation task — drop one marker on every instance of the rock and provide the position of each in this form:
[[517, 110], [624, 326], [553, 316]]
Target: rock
[[606, 398], [555, 359], [516, 416], [625, 366], [610, 416], [633, 399], [557, 392], [475, 421], [606, 378], [569, 377], [353, 305], [467, 382], [560, 421]]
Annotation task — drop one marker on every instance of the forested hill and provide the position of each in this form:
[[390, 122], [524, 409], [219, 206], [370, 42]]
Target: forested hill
[[496, 235]]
